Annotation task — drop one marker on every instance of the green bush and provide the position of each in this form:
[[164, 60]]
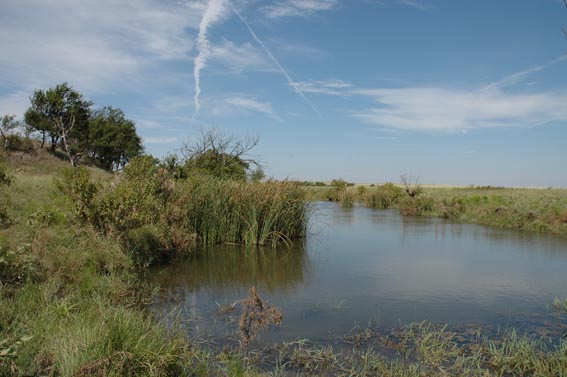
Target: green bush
[[384, 196], [5, 180], [416, 206]]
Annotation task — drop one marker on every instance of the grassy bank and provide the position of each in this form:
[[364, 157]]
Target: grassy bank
[[535, 210], [72, 242], [73, 301]]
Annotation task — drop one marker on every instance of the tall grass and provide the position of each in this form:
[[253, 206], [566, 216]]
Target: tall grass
[[255, 213]]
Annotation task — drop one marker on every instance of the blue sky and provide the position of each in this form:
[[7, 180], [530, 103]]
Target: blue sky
[[455, 92]]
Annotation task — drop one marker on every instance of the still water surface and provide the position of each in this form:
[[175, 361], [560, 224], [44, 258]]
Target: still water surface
[[360, 265]]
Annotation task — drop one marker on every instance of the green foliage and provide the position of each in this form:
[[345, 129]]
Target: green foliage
[[5, 180], [18, 265], [416, 206], [257, 174], [384, 196], [346, 199], [105, 137], [112, 139], [219, 155], [338, 187], [262, 213], [218, 165], [62, 114], [79, 186], [173, 166], [7, 125]]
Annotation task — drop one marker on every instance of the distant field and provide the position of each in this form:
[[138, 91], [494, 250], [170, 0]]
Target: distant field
[[541, 210]]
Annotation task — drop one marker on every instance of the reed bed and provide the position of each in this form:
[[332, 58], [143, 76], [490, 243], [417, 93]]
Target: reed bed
[[250, 213]]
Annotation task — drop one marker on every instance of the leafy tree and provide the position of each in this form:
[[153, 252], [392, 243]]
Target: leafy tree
[[257, 175], [112, 139], [63, 114], [220, 155], [7, 124]]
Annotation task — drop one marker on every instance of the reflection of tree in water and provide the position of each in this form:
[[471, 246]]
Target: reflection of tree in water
[[238, 267]]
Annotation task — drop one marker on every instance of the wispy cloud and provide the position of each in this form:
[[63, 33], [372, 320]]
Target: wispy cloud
[[517, 77], [250, 104], [331, 87], [14, 103], [295, 8], [451, 110], [160, 140], [434, 109], [414, 3], [214, 13], [276, 62], [240, 57], [90, 44]]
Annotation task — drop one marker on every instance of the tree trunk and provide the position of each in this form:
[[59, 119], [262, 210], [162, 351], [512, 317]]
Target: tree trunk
[[65, 131]]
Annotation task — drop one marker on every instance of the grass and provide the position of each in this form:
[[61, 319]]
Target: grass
[[72, 302], [528, 209]]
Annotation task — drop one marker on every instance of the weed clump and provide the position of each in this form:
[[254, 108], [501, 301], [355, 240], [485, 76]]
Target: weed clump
[[256, 316]]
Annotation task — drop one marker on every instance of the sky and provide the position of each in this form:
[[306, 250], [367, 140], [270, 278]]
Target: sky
[[455, 92]]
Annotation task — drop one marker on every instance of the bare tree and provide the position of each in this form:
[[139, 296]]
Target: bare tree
[[411, 185], [220, 154]]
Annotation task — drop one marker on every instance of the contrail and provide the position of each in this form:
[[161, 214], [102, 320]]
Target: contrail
[[519, 76], [214, 12], [276, 62]]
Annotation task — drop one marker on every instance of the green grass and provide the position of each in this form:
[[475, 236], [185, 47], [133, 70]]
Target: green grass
[[72, 302], [528, 209]]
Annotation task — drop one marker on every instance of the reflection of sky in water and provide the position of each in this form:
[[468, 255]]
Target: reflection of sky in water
[[362, 264]]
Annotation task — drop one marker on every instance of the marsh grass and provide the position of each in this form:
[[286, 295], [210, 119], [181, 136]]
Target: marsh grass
[[529, 209]]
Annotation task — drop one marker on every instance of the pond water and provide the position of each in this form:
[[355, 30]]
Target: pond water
[[359, 265]]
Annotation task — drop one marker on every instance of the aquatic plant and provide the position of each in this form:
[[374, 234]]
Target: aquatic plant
[[256, 316]]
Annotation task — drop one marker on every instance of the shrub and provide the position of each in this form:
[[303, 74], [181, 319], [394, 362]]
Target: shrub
[[5, 180], [347, 199], [338, 188], [384, 196], [416, 206]]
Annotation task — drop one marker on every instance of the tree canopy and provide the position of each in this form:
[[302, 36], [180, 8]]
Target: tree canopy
[[105, 136], [220, 155], [112, 139]]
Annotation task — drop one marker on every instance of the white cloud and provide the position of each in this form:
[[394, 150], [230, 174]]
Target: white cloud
[[250, 104], [295, 8], [331, 87], [241, 57], [214, 13], [160, 140], [435, 109], [15, 103], [92, 44]]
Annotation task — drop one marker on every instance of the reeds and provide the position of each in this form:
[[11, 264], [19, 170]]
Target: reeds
[[255, 213]]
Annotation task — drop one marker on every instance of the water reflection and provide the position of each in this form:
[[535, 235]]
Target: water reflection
[[239, 267], [359, 264]]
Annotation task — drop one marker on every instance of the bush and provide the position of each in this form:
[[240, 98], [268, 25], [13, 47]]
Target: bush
[[17, 143], [338, 188], [416, 206], [5, 180], [384, 196]]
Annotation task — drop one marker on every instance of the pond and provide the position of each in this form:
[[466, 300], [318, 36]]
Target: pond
[[359, 265]]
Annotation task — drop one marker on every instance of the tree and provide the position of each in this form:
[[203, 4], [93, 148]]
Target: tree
[[257, 174], [220, 155], [63, 114], [112, 139], [7, 124], [411, 185]]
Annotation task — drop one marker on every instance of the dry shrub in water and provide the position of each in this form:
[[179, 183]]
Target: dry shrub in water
[[256, 316]]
